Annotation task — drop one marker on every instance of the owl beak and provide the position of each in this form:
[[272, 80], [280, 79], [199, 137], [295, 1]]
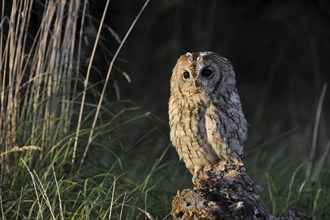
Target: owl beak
[[196, 86]]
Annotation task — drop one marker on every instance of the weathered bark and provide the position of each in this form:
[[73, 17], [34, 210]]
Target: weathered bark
[[224, 191]]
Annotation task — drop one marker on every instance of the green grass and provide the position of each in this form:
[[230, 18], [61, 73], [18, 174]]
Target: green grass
[[293, 167], [67, 152], [121, 175]]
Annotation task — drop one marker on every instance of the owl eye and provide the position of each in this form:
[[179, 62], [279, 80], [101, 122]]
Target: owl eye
[[206, 73], [186, 75]]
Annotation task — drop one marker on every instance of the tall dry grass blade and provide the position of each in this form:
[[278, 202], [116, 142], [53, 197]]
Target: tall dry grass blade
[[112, 196], [20, 52], [41, 64], [1, 206], [28, 85], [107, 80], [315, 132], [10, 140], [44, 194], [68, 61], [71, 104], [35, 189], [122, 206], [318, 167], [86, 81], [50, 92], [3, 55], [59, 195], [2, 21]]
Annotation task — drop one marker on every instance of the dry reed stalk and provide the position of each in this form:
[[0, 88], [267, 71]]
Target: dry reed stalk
[[21, 149], [86, 82], [35, 81], [91, 133]]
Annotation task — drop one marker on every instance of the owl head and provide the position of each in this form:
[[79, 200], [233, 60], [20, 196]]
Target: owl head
[[202, 73]]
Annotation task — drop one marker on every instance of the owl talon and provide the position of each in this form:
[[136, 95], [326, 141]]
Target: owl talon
[[195, 176]]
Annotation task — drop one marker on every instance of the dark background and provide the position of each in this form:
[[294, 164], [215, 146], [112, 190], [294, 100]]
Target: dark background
[[280, 51]]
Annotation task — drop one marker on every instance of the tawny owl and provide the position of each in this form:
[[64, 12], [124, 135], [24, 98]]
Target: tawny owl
[[205, 113]]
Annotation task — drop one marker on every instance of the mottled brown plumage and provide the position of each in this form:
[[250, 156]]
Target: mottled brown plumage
[[206, 119]]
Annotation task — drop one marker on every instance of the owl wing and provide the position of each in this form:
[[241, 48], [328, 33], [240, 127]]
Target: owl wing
[[227, 128]]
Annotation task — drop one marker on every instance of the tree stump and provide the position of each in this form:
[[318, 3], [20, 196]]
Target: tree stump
[[224, 191]]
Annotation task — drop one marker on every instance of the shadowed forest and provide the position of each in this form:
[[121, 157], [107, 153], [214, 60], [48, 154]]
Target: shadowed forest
[[84, 90]]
